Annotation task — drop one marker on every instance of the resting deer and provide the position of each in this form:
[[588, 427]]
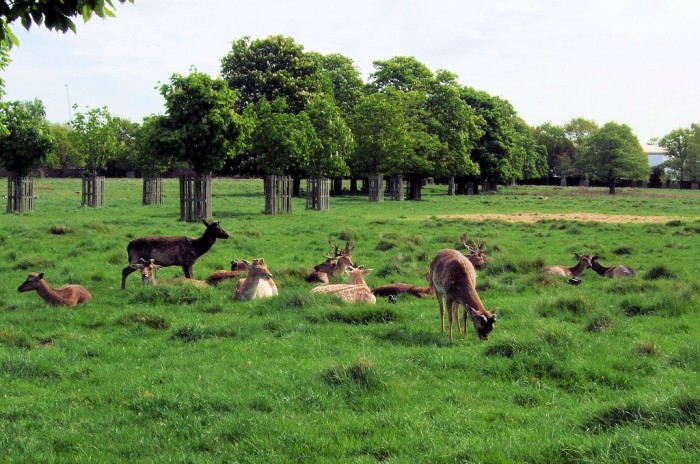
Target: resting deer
[[333, 265], [148, 269], [258, 283], [400, 287], [356, 291], [613, 271], [238, 268], [68, 295], [477, 256], [173, 251], [453, 277], [584, 262]]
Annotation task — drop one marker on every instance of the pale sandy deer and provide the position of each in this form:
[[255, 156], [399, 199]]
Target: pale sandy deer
[[355, 291], [258, 283], [238, 268], [333, 265], [148, 269], [584, 262], [613, 271], [453, 277], [476, 256], [68, 295], [173, 251]]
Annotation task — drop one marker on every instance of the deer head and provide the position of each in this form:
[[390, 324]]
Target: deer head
[[215, 230], [32, 283], [483, 322], [477, 256], [148, 270]]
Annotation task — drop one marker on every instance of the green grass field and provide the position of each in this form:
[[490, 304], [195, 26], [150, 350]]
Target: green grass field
[[606, 371]]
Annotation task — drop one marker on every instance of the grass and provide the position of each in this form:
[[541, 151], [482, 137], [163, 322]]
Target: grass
[[606, 371]]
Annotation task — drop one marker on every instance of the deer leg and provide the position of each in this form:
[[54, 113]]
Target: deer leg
[[125, 273], [449, 304], [466, 315], [187, 270], [442, 311]]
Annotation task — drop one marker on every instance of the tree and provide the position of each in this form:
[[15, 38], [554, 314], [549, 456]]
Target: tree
[[66, 153], [560, 149], [344, 79], [156, 146], [614, 153], [96, 137], [335, 141], [28, 139], [53, 14], [683, 151], [579, 131]]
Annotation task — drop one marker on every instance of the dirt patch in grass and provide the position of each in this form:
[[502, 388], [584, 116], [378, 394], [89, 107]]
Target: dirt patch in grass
[[584, 217]]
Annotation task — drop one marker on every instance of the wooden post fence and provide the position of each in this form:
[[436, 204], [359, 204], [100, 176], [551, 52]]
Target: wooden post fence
[[317, 193], [152, 190], [278, 194], [20, 194], [195, 198], [376, 188], [396, 188], [93, 191]]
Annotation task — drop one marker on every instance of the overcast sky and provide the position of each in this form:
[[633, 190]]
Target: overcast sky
[[632, 62]]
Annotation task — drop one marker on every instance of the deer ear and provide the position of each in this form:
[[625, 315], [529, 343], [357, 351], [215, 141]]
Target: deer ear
[[205, 222], [366, 271], [41, 275]]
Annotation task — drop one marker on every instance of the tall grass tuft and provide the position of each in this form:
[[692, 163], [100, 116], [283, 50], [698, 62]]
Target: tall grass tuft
[[363, 316], [677, 412], [358, 374], [659, 271]]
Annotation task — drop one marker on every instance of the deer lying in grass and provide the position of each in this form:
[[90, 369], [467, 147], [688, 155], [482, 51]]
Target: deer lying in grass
[[68, 295], [172, 251], [333, 265], [584, 262], [148, 269], [356, 291], [400, 287], [453, 278], [613, 271], [477, 256], [258, 283], [238, 268]]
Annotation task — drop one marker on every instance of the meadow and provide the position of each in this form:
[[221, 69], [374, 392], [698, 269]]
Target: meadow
[[606, 371]]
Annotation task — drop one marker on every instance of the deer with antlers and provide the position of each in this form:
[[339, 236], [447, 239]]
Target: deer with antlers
[[477, 256], [333, 265], [453, 278]]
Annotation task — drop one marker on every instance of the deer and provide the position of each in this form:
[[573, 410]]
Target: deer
[[333, 265], [400, 287], [355, 291], [68, 295], [148, 269], [613, 271], [476, 256], [453, 278], [258, 283], [173, 251], [238, 268], [584, 262]]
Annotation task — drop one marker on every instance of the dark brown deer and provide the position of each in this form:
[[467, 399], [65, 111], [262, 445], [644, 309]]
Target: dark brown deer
[[68, 295], [333, 265], [613, 271], [453, 278], [400, 287], [238, 268], [584, 262], [476, 256], [172, 251]]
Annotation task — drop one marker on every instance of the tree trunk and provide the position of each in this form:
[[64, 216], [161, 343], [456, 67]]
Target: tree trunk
[[296, 187], [195, 197], [353, 185], [451, 186], [337, 188], [612, 188], [415, 185]]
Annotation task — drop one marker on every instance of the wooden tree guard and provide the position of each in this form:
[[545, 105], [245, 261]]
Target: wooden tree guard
[[20, 194], [451, 186], [396, 188], [317, 193], [278, 194], [195, 197], [376, 188], [93, 191], [152, 190]]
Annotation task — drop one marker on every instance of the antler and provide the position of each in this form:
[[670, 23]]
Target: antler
[[474, 247], [336, 248], [348, 248]]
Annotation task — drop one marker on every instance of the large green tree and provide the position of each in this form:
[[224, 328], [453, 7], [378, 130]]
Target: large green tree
[[96, 136], [613, 153], [156, 146], [53, 14], [560, 149], [66, 153], [28, 139], [683, 151], [335, 141], [345, 80], [579, 131]]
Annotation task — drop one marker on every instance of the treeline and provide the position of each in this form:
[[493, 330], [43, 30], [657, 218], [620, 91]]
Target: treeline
[[280, 110]]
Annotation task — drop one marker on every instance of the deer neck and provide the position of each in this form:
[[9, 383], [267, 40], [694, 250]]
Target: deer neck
[[205, 242], [48, 293], [250, 286], [599, 268], [578, 269]]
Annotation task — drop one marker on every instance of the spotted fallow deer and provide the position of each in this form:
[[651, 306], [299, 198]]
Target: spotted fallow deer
[[355, 291], [584, 262], [613, 271], [476, 256], [453, 277], [148, 269], [258, 283], [333, 265], [68, 295]]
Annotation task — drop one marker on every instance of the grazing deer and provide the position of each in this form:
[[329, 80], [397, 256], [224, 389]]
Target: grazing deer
[[453, 278], [173, 251], [258, 283], [613, 271], [68, 295], [238, 268], [356, 291], [477, 256], [333, 265], [400, 287], [148, 269], [584, 262]]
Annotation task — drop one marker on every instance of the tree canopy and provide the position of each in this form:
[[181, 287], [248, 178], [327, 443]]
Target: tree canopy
[[28, 139], [683, 151]]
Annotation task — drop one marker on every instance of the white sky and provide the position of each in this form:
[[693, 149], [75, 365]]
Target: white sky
[[630, 61]]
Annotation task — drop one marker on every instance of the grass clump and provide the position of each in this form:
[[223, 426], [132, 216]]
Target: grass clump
[[147, 320], [659, 271], [193, 333], [599, 323], [62, 229], [676, 412], [363, 316], [567, 306], [359, 374]]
